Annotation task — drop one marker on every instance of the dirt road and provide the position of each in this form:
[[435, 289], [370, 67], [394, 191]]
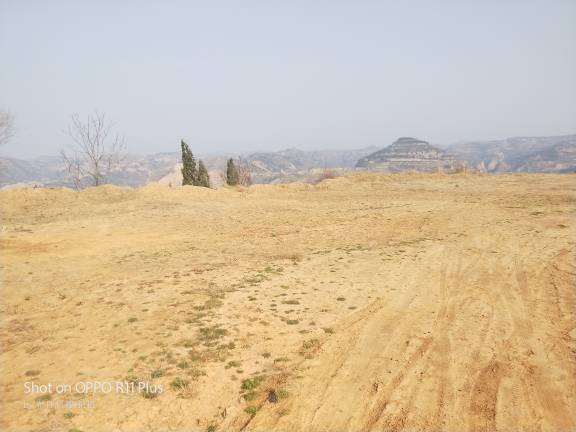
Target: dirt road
[[366, 303]]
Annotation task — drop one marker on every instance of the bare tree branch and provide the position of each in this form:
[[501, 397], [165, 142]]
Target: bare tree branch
[[73, 168], [97, 152], [6, 126]]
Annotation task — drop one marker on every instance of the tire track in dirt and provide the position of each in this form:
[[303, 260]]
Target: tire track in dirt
[[434, 352], [519, 357], [382, 402], [484, 398]]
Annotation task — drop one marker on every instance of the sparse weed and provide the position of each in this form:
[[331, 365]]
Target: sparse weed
[[157, 373], [291, 302], [43, 398], [232, 364], [212, 333], [183, 365], [310, 348], [179, 383], [252, 410]]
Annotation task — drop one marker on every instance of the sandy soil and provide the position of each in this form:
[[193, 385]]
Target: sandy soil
[[365, 303]]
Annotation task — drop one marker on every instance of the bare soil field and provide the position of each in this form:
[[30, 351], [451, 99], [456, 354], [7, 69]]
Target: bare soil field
[[417, 302]]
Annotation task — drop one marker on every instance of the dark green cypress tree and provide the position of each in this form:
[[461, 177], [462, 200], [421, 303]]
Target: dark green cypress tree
[[203, 176], [189, 173], [231, 174]]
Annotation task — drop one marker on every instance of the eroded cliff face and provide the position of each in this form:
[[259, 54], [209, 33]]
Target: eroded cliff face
[[522, 154], [408, 154]]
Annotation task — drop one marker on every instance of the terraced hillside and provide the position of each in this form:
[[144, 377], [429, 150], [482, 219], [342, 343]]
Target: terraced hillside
[[407, 154]]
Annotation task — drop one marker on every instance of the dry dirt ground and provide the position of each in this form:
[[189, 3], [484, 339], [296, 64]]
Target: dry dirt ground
[[365, 303]]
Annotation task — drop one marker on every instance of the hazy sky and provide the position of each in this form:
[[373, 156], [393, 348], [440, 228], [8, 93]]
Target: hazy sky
[[267, 75]]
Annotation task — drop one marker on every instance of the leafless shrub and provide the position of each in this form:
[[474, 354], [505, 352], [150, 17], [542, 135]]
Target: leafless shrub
[[244, 173], [326, 174], [97, 151]]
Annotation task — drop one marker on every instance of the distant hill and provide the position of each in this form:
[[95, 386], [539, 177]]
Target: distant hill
[[299, 165], [408, 154], [525, 154], [44, 170], [540, 154], [135, 170]]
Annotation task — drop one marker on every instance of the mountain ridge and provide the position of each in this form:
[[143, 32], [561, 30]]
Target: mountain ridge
[[517, 154]]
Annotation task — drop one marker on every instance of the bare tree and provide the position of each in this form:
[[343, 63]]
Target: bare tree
[[97, 151], [6, 126], [73, 168], [244, 173]]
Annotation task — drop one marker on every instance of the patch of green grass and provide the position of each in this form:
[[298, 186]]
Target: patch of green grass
[[132, 319], [281, 359], [252, 383], [252, 410], [69, 415], [211, 428], [251, 395], [282, 394], [292, 322]]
